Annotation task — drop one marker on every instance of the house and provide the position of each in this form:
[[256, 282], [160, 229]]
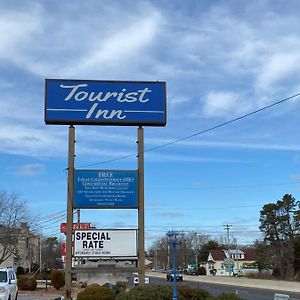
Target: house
[[25, 251], [240, 260]]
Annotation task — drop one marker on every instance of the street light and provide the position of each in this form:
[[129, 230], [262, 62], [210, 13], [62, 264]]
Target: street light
[[172, 240]]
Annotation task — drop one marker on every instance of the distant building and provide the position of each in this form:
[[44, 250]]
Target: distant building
[[26, 253], [238, 260]]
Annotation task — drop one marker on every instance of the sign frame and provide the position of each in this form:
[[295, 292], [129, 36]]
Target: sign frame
[[89, 201], [134, 256], [79, 121]]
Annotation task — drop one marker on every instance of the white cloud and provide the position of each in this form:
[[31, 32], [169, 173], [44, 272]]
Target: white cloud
[[220, 104], [29, 170], [121, 46], [29, 41], [278, 67], [17, 31], [23, 140]]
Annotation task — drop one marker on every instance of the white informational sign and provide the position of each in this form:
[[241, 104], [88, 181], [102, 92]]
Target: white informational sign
[[105, 243]]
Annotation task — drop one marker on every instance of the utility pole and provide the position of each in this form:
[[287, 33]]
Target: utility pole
[[227, 227], [168, 257], [40, 244], [79, 260], [69, 235], [141, 207], [172, 240]]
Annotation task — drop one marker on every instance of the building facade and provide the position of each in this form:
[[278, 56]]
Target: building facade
[[26, 250], [220, 262]]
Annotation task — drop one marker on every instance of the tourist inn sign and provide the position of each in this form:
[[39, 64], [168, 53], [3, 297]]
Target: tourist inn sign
[[91, 102]]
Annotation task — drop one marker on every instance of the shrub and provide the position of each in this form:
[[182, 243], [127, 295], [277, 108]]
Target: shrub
[[27, 283], [202, 271], [199, 294], [228, 296], [120, 287], [57, 279], [276, 272], [96, 292], [151, 292], [189, 293]]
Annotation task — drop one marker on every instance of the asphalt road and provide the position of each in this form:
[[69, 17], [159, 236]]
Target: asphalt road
[[216, 289], [213, 288]]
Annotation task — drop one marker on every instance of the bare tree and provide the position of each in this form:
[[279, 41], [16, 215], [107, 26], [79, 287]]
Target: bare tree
[[188, 250], [12, 214]]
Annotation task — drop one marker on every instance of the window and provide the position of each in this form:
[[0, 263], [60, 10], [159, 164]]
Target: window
[[11, 276], [3, 276]]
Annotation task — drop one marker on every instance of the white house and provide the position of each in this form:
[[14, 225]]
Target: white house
[[240, 260]]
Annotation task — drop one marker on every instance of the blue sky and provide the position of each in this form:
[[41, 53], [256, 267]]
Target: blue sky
[[220, 60]]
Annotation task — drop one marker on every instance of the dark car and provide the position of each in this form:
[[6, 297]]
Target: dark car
[[170, 276]]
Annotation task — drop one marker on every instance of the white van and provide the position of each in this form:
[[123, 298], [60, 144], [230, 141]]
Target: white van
[[8, 284]]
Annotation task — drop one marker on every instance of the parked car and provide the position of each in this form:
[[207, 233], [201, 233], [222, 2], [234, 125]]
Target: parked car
[[170, 276], [8, 284], [238, 273], [191, 271]]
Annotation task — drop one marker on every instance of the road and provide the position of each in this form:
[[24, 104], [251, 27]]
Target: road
[[216, 289], [213, 288]]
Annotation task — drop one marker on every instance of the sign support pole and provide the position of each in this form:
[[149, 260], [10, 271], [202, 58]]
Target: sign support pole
[[68, 269], [141, 218]]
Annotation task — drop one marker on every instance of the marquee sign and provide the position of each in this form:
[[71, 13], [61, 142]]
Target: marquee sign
[[63, 226], [91, 102], [105, 189], [105, 243]]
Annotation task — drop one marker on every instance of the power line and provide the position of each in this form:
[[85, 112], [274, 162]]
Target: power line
[[199, 132]]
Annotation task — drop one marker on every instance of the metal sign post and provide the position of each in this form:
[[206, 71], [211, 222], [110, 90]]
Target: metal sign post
[[68, 270], [141, 217]]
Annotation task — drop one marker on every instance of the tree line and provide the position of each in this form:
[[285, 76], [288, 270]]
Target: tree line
[[279, 249], [13, 213]]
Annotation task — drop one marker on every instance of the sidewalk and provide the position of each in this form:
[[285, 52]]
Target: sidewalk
[[276, 285]]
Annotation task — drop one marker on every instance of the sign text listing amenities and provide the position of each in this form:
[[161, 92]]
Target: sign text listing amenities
[[105, 189]]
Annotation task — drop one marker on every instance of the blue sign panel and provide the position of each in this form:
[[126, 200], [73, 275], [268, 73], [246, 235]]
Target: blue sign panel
[[105, 189], [89, 102]]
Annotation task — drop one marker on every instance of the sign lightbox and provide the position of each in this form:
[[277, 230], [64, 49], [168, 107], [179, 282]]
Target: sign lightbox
[[105, 243], [105, 189], [91, 102], [63, 226]]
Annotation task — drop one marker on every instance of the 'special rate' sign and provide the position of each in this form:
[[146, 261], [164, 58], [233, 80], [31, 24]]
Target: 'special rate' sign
[[91, 102], [105, 243], [105, 189]]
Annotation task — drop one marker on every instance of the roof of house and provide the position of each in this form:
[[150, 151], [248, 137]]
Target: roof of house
[[217, 254], [250, 254]]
